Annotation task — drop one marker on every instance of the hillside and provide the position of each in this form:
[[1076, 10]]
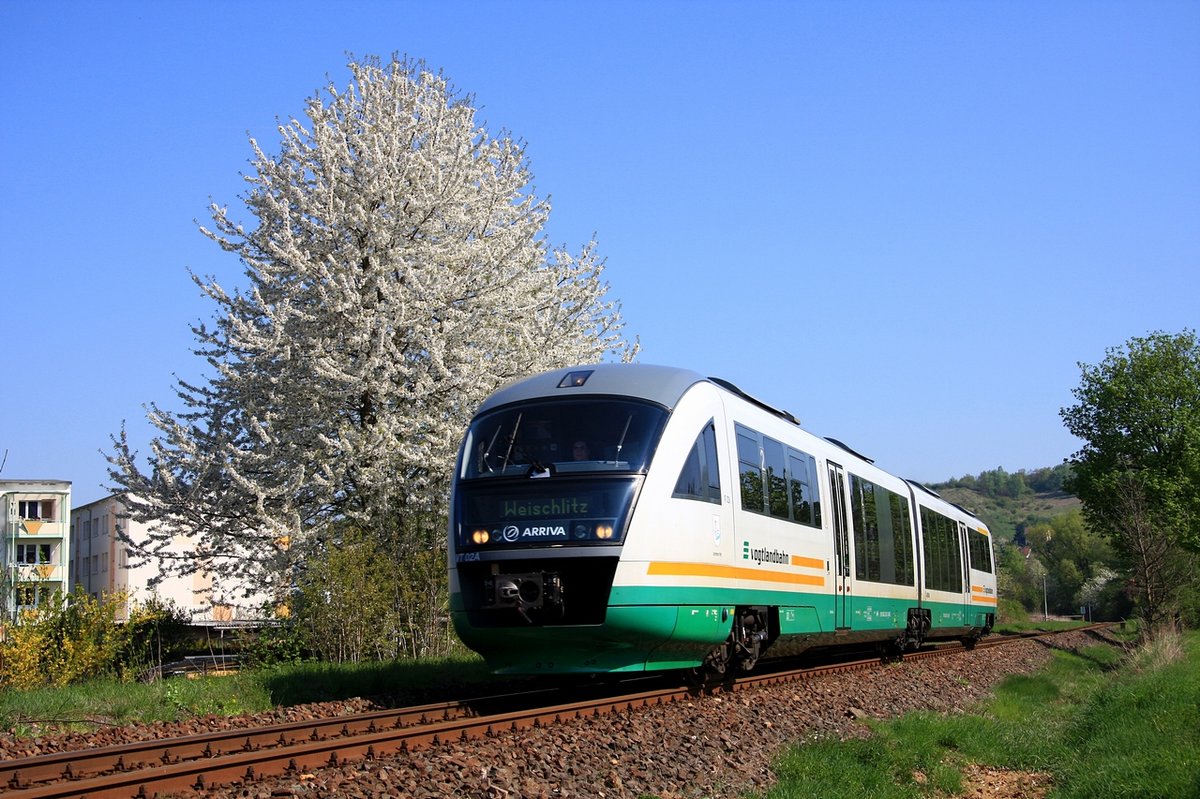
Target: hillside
[[1003, 515]]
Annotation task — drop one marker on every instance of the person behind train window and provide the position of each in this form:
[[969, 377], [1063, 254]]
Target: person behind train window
[[580, 451]]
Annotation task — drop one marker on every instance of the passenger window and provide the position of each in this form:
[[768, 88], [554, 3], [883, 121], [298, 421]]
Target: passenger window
[[980, 552], [701, 478], [802, 484], [882, 534], [750, 470], [776, 480], [943, 560]]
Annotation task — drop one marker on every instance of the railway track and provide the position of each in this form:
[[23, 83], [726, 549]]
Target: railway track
[[224, 758]]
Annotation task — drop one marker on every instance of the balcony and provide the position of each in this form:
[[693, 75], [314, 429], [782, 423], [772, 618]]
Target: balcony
[[36, 528], [37, 572]]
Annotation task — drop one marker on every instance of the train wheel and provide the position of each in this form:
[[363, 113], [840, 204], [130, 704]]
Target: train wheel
[[749, 636]]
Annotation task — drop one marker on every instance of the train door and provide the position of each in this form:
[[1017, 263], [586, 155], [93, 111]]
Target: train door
[[964, 545], [841, 547]]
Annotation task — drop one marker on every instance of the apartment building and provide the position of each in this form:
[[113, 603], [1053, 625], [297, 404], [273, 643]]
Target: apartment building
[[36, 544], [102, 565]]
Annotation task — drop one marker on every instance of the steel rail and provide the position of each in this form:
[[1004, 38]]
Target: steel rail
[[74, 765], [227, 757]]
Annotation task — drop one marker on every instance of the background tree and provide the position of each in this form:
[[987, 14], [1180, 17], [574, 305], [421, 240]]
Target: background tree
[[1019, 581], [397, 272], [1072, 553], [1138, 473]]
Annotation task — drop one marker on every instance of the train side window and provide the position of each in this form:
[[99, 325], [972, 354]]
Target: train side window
[[777, 480], [700, 478], [750, 470], [906, 569], [979, 551], [777, 491], [882, 534], [943, 559], [802, 488]]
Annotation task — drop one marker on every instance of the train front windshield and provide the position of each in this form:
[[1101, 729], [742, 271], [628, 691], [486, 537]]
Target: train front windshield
[[557, 472]]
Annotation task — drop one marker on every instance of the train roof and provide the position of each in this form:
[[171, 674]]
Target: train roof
[[928, 493], [664, 385]]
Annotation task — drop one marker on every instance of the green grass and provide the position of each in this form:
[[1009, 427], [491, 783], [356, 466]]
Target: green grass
[[1037, 625], [1099, 723], [100, 702]]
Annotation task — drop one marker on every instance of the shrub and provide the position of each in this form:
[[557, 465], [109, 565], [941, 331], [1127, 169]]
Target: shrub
[[74, 638], [156, 632], [61, 641]]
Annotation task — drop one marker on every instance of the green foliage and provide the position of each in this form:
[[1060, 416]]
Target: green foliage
[[1138, 473], [367, 596], [874, 767], [155, 632], [999, 483], [196, 698], [1010, 611], [107, 700], [71, 639], [1138, 414], [1139, 736], [1074, 555], [1009, 517], [60, 642], [278, 642], [1019, 579]]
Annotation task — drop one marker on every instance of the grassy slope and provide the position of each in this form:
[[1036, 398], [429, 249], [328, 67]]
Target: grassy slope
[[1002, 515], [1095, 723]]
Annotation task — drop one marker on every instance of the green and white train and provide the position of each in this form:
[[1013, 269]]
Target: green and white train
[[625, 518]]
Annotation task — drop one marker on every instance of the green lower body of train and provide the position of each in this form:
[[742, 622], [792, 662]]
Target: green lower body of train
[[650, 628]]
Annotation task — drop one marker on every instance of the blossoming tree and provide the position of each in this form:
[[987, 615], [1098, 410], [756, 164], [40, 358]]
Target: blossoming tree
[[395, 274]]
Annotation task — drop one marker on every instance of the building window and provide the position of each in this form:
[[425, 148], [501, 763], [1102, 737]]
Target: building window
[[36, 509], [32, 554]]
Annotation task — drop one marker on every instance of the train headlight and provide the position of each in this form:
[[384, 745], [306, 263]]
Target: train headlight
[[480, 536], [604, 531]]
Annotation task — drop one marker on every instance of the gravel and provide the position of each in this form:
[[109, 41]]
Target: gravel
[[713, 746]]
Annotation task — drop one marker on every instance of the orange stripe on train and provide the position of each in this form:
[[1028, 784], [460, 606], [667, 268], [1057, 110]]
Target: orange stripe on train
[[661, 568]]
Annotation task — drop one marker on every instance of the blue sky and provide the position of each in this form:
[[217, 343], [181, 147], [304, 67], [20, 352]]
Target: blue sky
[[904, 222]]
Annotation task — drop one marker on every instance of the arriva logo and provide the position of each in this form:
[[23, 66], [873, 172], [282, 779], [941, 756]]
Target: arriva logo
[[544, 532], [512, 533]]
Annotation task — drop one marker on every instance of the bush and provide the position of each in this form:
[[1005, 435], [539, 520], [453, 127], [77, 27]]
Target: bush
[[155, 633], [60, 642], [1010, 610], [70, 639], [273, 644]]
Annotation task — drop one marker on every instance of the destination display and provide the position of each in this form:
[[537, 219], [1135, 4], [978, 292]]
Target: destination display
[[569, 513]]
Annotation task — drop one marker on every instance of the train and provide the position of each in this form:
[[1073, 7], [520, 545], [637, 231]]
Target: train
[[617, 518]]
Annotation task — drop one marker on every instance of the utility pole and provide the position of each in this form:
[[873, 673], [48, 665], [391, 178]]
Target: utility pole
[[1045, 601]]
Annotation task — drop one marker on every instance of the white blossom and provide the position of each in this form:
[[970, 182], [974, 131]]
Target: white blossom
[[397, 273]]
